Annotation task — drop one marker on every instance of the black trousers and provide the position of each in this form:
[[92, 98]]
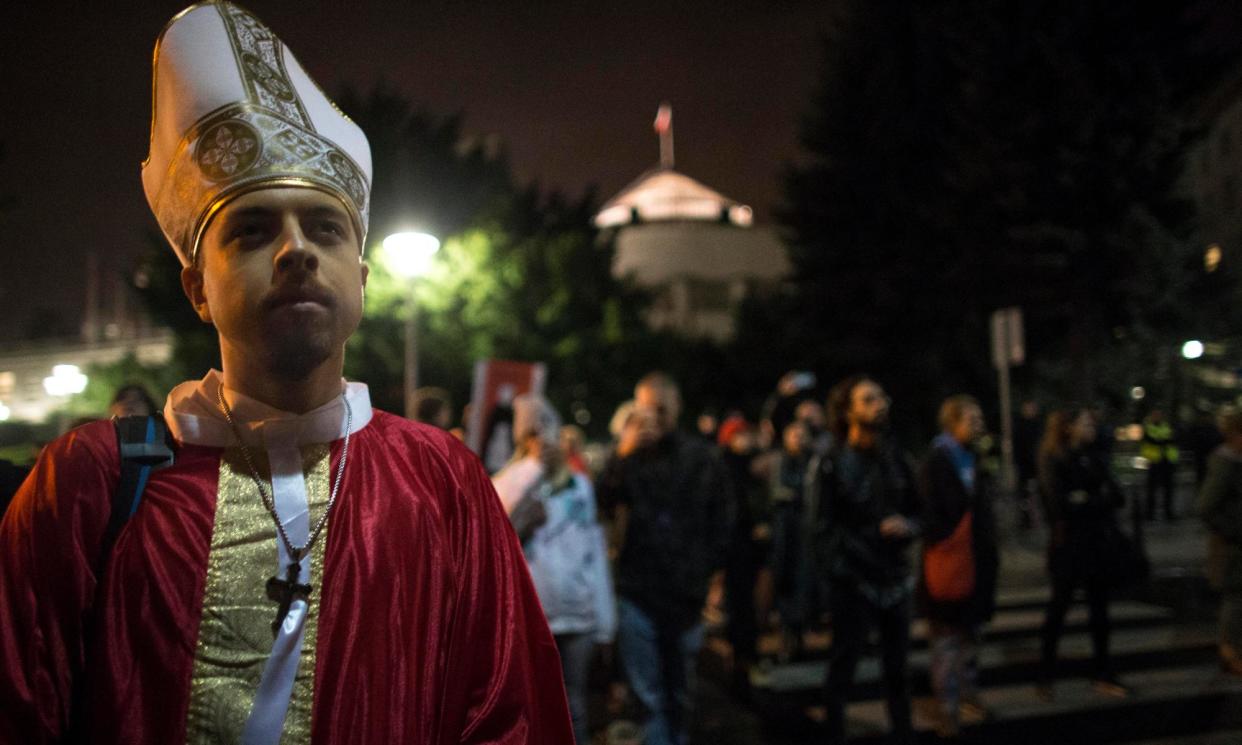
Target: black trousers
[[853, 617], [1160, 479], [1063, 588]]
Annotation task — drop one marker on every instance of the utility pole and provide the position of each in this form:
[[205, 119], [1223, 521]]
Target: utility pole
[[1008, 349]]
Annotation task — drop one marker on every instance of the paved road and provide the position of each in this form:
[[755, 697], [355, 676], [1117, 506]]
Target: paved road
[[1164, 647]]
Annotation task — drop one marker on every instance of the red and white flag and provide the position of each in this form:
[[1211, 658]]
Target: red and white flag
[[664, 118]]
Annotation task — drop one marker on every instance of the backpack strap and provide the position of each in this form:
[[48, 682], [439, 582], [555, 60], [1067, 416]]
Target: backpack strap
[[145, 445]]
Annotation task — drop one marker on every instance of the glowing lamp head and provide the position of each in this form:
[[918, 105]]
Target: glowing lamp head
[[65, 380], [1193, 349], [409, 254]]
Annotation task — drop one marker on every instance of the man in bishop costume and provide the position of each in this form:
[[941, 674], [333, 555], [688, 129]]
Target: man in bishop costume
[[309, 570]]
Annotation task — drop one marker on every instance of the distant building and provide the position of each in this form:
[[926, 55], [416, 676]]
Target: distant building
[[23, 368], [694, 247]]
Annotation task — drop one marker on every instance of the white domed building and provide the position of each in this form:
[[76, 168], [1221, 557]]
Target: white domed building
[[698, 250]]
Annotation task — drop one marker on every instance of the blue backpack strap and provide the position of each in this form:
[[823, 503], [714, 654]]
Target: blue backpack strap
[[145, 446]]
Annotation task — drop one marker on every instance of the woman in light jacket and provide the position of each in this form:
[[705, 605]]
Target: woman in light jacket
[[552, 508]]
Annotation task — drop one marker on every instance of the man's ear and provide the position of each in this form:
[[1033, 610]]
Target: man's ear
[[366, 271], [192, 285]]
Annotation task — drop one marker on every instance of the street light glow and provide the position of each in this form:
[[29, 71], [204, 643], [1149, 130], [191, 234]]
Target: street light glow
[[5, 412], [1211, 257], [65, 380], [1193, 349], [409, 253]]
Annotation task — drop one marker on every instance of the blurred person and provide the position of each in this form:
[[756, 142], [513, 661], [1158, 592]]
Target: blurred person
[[779, 409], [11, 477], [1080, 502], [462, 431], [621, 417], [1027, 429], [706, 425], [1220, 506], [676, 494], [788, 560], [132, 400], [812, 415], [960, 560], [563, 543], [866, 509], [1202, 440], [498, 432], [433, 406], [1105, 431], [572, 441], [307, 561], [1159, 447], [747, 545]]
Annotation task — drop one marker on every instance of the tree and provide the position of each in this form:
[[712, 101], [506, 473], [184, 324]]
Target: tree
[[962, 157], [532, 282]]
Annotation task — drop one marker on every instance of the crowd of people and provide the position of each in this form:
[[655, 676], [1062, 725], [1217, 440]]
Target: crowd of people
[[289, 562], [814, 518]]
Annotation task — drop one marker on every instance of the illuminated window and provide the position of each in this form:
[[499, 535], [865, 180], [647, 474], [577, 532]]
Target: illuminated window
[[8, 381], [1211, 260]]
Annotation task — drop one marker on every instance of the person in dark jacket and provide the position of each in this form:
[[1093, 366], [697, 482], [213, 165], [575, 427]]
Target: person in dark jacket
[[960, 558], [785, 492], [863, 496], [11, 477], [1080, 501], [747, 547], [675, 499], [1220, 506]]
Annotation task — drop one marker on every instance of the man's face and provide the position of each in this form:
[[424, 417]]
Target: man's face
[[812, 414], [279, 275], [796, 438], [868, 405], [969, 425], [661, 404]]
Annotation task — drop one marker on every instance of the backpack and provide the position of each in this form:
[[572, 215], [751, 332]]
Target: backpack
[[145, 445]]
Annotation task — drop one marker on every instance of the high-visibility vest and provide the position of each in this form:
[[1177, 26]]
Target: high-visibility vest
[[1158, 445]]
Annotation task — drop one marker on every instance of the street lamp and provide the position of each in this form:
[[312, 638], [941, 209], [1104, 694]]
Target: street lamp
[[409, 254], [65, 380], [1192, 350]]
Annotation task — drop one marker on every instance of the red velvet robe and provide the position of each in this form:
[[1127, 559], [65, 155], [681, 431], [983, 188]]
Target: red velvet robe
[[429, 628]]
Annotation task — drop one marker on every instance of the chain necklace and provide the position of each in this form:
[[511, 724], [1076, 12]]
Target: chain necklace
[[289, 589]]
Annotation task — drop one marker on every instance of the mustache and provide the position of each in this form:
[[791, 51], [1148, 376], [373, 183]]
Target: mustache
[[298, 294]]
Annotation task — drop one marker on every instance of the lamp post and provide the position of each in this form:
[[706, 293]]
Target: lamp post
[[65, 381], [408, 255]]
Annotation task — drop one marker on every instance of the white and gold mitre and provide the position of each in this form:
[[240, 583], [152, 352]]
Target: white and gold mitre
[[233, 111]]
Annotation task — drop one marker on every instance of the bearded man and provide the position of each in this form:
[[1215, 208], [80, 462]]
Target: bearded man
[[308, 569]]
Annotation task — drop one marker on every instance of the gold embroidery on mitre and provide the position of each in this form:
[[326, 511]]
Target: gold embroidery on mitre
[[235, 638], [261, 63], [253, 143], [228, 149], [241, 147]]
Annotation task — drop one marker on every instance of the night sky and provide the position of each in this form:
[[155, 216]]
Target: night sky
[[571, 91]]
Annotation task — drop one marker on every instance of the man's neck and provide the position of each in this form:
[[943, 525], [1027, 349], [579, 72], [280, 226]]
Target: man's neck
[[862, 438], [294, 396]]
